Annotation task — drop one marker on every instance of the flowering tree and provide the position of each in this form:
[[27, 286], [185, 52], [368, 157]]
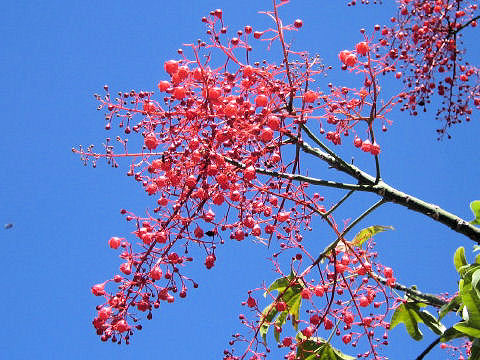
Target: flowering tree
[[222, 156]]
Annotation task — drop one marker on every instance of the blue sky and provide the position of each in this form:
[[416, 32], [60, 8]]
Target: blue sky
[[55, 56]]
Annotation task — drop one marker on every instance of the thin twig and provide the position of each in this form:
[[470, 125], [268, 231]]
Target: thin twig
[[333, 244], [347, 195], [428, 349]]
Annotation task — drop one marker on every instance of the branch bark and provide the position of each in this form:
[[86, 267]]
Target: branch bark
[[390, 194]]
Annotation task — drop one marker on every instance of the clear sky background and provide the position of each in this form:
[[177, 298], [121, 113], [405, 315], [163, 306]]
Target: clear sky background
[[54, 56]]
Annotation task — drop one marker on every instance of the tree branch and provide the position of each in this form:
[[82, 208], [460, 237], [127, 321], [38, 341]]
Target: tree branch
[[391, 194], [434, 211], [428, 349], [426, 298], [300, 178], [333, 244]]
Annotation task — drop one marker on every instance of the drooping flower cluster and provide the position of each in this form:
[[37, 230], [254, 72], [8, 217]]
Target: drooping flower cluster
[[345, 300], [219, 156], [425, 41]]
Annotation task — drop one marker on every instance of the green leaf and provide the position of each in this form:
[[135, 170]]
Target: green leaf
[[451, 334], [467, 271], [291, 295], [407, 314], [475, 206], [465, 328], [454, 304], [459, 258], [475, 281], [475, 277], [411, 315], [279, 285], [268, 314], [282, 318], [472, 303], [365, 234], [341, 356], [294, 308], [428, 319], [477, 259], [318, 349]]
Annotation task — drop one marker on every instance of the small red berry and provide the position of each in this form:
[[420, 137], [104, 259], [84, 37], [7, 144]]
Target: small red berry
[[363, 301], [346, 338], [230, 109], [179, 92], [375, 149], [306, 294], [315, 319], [148, 107], [256, 230], [235, 195], [156, 273], [191, 181], [210, 261], [287, 341], [357, 142], [328, 324], [239, 235], [388, 272], [310, 96], [319, 291], [273, 122], [213, 93], [248, 71], [114, 242], [163, 85], [308, 331], [249, 173], [298, 23], [151, 188], [283, 216], [343, 55], [261, 100], [351, 60], [362, 48], [105, 313], [340, 268], [218, 199], [281, 306], [266, 135], [257, 34], [366, 146], [218, 13], [171, 66], [151, 142], [251, 302], [122, 326], [348, 318], [98, 289], [126, 268], [198, 232]]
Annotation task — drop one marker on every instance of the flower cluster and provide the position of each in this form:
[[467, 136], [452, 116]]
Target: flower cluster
[[218, 152], [346, 300], [429, 33]]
